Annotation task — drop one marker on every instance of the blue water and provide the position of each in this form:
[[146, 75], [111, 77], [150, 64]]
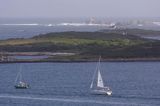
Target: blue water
[[67, 84], [9, 31], [26, 28]]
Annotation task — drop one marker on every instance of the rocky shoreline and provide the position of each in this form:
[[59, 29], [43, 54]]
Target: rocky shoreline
[[84, 60]]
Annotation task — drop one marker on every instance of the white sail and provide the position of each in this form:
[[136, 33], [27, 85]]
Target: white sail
[[99, 80], [91, 86]]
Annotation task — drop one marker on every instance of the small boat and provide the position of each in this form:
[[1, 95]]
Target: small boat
[[19, 83], [97, 80]]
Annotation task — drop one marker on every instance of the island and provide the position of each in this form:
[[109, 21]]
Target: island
[[112, 45]]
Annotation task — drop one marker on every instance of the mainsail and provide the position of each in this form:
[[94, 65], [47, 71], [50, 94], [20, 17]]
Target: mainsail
[[99, 80]]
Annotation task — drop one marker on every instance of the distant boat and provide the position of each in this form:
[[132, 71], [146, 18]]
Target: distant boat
[[19, 82], [99, 87]]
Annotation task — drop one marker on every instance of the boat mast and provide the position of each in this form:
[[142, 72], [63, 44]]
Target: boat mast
[[95, 72]]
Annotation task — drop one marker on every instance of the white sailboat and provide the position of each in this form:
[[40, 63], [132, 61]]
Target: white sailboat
[[19, 83], [99, 87]]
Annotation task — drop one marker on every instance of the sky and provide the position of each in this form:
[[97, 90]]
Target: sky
[[79, 8]]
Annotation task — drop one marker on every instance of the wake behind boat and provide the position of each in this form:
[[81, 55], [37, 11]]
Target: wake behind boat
[[99, 87], [19, 83]]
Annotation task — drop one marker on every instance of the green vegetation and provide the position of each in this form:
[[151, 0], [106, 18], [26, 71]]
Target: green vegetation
[[87, 44]]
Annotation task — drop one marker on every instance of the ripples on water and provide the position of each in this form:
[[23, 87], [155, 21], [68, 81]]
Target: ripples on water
[[67, 84]]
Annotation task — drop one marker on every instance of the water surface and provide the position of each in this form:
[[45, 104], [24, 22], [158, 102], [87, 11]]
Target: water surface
[[67, 84]]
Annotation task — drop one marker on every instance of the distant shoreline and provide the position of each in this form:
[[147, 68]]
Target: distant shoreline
[[85, 60]]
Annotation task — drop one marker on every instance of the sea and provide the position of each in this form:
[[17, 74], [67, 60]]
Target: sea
[[68, 84], [29, 27], [26, 28]]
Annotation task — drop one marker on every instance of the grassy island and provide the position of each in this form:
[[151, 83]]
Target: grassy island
[[87, 46]]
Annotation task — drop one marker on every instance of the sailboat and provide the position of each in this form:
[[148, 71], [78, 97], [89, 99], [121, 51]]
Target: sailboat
[[99, 87], [19, 83]]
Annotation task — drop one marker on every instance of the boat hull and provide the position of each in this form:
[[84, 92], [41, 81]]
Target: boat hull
[[102, 92], [21, 87]]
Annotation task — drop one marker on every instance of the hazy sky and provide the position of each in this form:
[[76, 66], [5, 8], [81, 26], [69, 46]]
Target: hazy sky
[[79, 8]]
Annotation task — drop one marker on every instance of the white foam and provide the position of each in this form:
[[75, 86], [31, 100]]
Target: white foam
[[49, 25], [73, 100], [84, 24], [156, 23], [63, 24], [140, 25]]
